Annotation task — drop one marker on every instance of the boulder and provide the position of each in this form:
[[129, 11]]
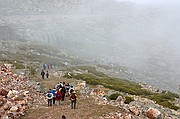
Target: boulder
[[12, 93], [81, 84], [1, 111], [26, 92], [3, 92], [134, 110], [120, 99], [6, 106], [1, 102], [19, 97], [14, 109], [153, 113]]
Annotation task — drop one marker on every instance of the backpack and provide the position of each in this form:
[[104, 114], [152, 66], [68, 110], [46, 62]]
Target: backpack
[[63, 90], [58, 95], [71, 90], [73, 97], [58, 86], [49, 95]]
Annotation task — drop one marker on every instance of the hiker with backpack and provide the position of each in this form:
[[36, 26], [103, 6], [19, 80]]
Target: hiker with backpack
[[67, 89], [71, 90], [58, 97], [54, 94], [49, 97], [63, 91], [73, 99], [59, 85]]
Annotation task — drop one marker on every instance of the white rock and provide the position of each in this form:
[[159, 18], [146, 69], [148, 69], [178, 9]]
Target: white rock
[[14, 109]]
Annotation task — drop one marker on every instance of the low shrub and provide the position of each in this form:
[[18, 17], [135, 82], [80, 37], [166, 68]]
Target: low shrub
[[128, 99], [114, 96]]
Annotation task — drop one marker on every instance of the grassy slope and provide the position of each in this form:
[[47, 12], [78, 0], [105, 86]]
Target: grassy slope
[[165, 99]]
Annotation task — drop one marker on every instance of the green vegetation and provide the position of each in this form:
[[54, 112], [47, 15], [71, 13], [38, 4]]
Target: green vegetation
[[122, 85], [32, 70], [112, 83], [164, 99], [128, 100], [114, 96], [19, 65]]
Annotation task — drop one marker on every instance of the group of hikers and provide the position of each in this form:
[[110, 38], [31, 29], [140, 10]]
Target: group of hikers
[[56, 95], [43, 74]]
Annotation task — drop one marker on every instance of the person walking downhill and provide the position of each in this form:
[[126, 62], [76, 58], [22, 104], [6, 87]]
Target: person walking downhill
[[73, 99], [49, 97], [42, 74], [58, 97]]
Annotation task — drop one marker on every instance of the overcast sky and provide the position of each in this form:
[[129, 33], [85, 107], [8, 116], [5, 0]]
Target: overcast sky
[[154, 2]]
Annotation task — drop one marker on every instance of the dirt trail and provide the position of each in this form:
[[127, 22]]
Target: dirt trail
[[86, 107]]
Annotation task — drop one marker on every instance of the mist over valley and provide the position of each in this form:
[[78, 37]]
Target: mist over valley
[[142, 37]]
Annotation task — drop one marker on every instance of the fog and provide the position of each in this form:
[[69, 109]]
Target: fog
[[154, 2], [140, 34]]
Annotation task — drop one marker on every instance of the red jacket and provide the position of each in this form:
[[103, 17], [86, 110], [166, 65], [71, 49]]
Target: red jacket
[[58, 96]]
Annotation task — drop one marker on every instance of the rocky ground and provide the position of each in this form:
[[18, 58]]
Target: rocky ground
[[25, 99]]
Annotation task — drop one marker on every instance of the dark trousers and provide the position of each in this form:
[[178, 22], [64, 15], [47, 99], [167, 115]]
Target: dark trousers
[[73, 104], [63, 96], [42, 76], [49, 102], [53, 100]]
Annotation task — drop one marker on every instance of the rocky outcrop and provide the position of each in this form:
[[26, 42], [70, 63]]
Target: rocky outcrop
[[140, 108], [17, 93], [153, 113]]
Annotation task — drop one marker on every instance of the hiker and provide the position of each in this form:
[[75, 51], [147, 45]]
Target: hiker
[[71, 90], [42, 74], [67, 89], [63, 91], [73, 99], [49, 97], [58, 86], [54, 93], [61, 84], [58, 97], [63, 117], [47, 74], [44, 66]]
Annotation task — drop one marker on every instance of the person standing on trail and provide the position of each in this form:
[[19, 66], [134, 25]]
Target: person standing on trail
[[47, 74], [49, 97], [67, 89], [73, 99], [71, 90], [63, 117], [58, 97], [44, 66], [59, 85], [42, 74], [54, 94], [63, 91]]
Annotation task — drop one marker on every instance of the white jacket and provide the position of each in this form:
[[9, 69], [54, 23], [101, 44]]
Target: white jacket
[[49, 97]]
